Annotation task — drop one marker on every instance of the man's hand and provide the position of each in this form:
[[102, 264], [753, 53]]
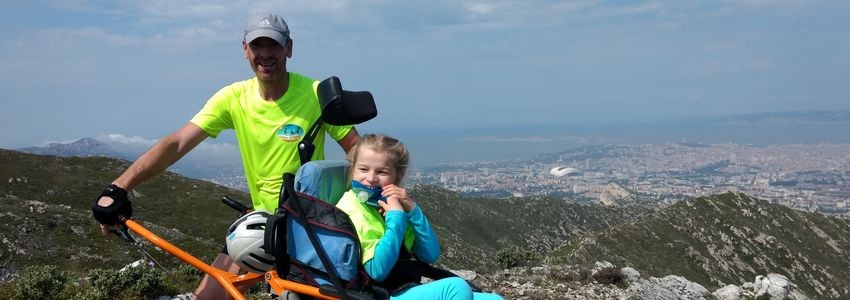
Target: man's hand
[[111, 206], [400, 193]]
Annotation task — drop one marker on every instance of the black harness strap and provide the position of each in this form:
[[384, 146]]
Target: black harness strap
[[289, 186], [306, 146]]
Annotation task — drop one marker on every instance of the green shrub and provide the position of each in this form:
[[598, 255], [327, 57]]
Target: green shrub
[[90, 294], [138, 282], [146, 282], [515, 257], [103, 284], [40, 282]]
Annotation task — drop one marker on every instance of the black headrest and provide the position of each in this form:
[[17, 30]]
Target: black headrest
[[341, 107]]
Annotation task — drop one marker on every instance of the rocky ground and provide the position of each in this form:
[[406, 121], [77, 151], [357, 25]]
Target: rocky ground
[[604, 281]]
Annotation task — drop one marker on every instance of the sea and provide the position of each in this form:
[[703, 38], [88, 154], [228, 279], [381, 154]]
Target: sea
[[435, 147]]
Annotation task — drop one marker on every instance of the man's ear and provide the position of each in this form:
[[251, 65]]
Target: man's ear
[[245, 49], [288, 48]]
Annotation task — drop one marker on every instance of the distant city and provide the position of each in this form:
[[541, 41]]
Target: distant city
[[810, 177], [797, 159]]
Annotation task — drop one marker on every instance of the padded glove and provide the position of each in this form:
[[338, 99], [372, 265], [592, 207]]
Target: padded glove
[[120, 206]]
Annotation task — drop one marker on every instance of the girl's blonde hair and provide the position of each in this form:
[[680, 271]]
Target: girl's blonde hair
[[395, 150]]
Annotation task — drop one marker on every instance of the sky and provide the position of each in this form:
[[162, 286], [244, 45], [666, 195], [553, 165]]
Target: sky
[[138, 70]]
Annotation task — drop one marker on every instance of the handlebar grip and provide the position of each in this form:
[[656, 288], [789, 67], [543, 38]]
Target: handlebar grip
[[241, 208]]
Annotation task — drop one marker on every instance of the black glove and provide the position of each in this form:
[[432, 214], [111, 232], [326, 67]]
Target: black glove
[[120, 206]]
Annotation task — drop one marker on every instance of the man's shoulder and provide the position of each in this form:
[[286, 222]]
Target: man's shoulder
[[235, 89], [242, 85], [301, 88], [300, 77], [298, 81], [232, 91]]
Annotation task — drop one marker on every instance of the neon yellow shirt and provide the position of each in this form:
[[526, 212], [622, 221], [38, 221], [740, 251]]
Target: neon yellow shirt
[[369, 224], [268, 132]]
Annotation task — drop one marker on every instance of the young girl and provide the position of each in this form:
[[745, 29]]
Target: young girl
[[393, 228]]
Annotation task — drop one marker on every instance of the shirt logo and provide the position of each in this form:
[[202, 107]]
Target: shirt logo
[[290, 132]]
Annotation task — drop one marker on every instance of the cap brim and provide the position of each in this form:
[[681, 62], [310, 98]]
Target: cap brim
[[273, 34]]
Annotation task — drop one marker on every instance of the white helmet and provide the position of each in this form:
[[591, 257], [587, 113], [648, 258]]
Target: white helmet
[[245, 243]]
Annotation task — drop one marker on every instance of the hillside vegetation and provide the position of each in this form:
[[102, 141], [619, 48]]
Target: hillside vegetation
[[727, 239], [46, 212], [45, 219], [474, 230]]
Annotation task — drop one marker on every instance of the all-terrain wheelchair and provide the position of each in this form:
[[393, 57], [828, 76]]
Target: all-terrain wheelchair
[[307, 246]]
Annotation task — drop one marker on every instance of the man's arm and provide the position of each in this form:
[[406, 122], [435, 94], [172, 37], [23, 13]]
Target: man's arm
[[154, 161], [162, 155], [348, 141]]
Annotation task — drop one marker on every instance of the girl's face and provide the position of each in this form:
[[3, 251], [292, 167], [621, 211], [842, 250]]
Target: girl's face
[[373, 168]]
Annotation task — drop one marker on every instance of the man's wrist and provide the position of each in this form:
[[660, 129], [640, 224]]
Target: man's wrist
[[112, 191]]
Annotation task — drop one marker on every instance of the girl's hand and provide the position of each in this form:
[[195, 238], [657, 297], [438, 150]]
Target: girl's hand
[[391, 203], [400, 193]]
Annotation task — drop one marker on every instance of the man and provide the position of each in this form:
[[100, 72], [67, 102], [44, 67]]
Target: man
[[269, 113]]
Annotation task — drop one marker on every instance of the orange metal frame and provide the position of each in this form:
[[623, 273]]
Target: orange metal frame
[[228, 280]]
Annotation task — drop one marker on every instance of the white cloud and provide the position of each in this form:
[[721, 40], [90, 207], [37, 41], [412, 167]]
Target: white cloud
[[46, 143], [130, 146], [479, 8], [141, 56], [162, 25], [628, 10], [572, 7], [194, 37], [209, 152], [122, 139], [71, 40], [77, 5], [183, 10]]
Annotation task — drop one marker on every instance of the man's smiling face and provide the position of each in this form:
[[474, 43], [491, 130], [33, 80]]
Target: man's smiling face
[[267, 58]]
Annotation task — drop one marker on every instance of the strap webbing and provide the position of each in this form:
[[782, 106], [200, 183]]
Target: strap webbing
[[292, 197], [306, 146]]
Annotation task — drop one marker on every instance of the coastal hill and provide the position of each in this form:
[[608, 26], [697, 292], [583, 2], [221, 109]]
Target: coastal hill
[[727, 239], [711, 241]]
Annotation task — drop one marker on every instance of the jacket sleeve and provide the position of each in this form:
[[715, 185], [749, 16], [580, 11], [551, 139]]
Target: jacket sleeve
[[426, 247], [386, 252]]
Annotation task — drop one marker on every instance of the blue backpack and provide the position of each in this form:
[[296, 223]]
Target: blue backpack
[[304, 253], [326, 253]]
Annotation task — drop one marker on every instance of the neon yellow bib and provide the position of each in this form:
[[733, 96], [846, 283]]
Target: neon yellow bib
[[369, 224]]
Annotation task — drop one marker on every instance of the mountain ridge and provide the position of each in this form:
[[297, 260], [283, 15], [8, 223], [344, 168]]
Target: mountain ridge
[[46, 220], [84, 147], [705, 241]]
